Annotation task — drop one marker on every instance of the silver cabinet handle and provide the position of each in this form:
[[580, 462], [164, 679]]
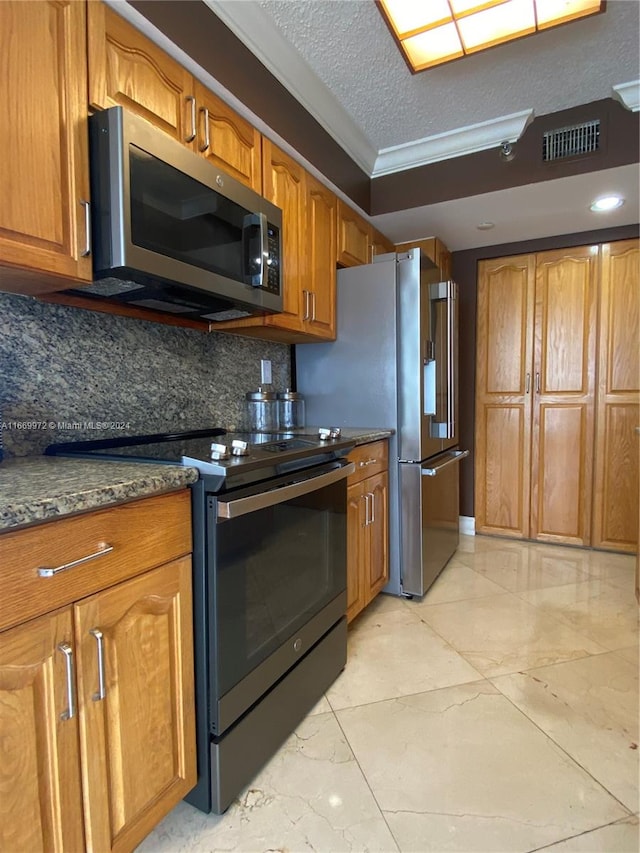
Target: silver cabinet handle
[[537, 383], [97, 633], [306, 304], [192, 135], [67, 651], [366, 509], [207, 138], [87, 228], [367, 462], [527, 383], [313, 307], [46, 572], [455, 456], [373, 507]]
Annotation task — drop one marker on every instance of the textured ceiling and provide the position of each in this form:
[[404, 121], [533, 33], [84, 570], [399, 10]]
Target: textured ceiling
[[348, 46]]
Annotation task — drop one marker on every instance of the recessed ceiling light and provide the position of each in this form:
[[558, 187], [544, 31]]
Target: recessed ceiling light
[[485, 226], [606, 203]]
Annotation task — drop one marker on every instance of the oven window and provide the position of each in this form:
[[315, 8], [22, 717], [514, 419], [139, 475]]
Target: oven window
[[275, 568]]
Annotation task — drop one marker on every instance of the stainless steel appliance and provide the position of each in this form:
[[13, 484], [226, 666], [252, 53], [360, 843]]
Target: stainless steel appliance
[[173, 233], [269, 578], [394, 365]]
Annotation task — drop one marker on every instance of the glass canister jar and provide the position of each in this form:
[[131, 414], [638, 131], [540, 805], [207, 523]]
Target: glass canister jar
[[262, 410], [290, 410]]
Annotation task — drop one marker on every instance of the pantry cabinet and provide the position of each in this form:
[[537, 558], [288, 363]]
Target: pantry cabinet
[[617, 461], [96, 696], [44, 226], [548, 325], [127, 69], [367, 526]]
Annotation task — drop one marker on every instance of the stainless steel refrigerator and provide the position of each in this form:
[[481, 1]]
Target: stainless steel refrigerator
[[394, 365]]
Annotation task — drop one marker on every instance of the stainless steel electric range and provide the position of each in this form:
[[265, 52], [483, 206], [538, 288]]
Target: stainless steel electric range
[[269, 578]]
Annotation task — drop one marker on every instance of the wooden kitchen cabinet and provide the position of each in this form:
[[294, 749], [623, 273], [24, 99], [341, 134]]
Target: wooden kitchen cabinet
[[535, 385], [321, 252], [95, 762], [128, 69], [435, 250], [354, 237], [617, 463], [43, 147], [380, 245], [367, 526]]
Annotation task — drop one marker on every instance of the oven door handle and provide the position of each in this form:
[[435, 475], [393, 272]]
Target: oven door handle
[[241, 506]]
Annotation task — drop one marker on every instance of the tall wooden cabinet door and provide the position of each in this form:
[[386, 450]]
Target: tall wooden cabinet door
[[43, 144], [563, 391], [284, 185], [227, 141], [615, 499], [377, 572], [127, 69], [138, 740], [320, 254], [503, 395], [354, 237], [41, 801], [356, 547]]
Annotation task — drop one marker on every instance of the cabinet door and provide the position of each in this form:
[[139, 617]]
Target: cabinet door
[[380, 245], [43, 144], [615, 505], [126, 68], [41, 802], [377, 566], [357, 541], [227, 140], [320, 255], [503, 395], [138, 741], [563, 391], [354, 237]]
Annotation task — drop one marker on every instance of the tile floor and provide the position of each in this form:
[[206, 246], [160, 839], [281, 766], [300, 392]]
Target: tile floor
[[500, 713]]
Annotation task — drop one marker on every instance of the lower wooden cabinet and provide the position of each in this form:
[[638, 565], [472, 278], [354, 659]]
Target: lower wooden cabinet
[[97, 711], [367, 526]]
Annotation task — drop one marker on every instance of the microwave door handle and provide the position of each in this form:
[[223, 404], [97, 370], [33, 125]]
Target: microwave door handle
[[264, 247], [256, 250]]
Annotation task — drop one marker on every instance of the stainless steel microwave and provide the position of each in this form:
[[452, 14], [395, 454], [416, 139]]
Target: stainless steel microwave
[[173, 233]]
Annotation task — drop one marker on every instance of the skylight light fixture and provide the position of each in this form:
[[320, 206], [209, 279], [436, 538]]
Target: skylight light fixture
[[431, 33]]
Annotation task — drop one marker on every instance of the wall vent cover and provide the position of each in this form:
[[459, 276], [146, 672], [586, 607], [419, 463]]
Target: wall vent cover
[[571, 141]]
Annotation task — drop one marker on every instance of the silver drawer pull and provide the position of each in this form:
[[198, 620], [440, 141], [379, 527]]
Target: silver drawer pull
[[45, 572], [367, 462], [97, 633], [67, 651], [373, 508]]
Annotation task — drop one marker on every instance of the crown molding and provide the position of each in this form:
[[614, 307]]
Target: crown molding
[[628, 94], [258, 32], [453, 143]]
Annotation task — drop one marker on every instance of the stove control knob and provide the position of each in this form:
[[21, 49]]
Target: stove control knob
[[219, 451], [335, 432], [324, 434], [239, 448]]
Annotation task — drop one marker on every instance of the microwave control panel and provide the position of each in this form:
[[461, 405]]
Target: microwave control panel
[[272, 282]]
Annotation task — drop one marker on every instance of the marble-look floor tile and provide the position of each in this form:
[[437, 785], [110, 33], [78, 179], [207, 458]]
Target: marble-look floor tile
[[631, 654], [620, 837], [461, 769], [381, 604], [458, 582], [605, 613], [393, 654], [321, 707], [503, 633], [310, 796], [589, 707], [611, 566]]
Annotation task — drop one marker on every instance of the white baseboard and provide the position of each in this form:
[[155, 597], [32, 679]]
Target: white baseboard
[[468, 525]]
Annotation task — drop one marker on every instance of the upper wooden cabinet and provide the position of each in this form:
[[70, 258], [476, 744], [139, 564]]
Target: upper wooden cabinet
[[127, 69], [43, 147], [354, 237], [320, 254], [380, 245], [435, 250]]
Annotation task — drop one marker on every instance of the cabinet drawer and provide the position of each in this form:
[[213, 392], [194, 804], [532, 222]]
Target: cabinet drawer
[[369, 459], [140, 535]]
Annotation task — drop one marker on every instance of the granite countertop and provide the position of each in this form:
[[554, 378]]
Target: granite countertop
[[41, 488]]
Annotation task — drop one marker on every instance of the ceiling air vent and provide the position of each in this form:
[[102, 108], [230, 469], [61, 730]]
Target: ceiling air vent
[[571, 141]]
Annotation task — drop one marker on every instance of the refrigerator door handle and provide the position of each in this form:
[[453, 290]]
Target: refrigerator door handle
[[454, 456], [446, 292]]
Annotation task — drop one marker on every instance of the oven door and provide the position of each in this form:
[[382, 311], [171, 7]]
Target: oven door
[[277, 581]]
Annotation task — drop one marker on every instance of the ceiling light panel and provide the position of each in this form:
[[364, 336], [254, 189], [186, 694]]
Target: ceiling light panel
[[431, 33]]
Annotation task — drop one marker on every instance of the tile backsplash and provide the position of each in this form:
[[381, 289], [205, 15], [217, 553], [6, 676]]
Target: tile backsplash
[[70, 373]]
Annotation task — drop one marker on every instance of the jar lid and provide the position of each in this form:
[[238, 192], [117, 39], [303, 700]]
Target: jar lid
[[288, 394], [260, 394]]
